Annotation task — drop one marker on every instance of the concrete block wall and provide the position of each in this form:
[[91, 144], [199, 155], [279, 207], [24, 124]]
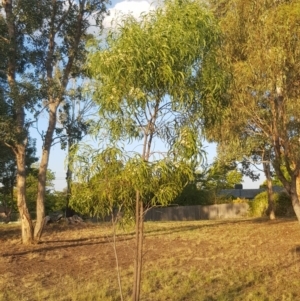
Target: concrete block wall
[[184, 213]]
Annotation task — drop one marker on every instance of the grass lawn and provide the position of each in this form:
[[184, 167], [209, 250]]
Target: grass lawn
[[248, 259]]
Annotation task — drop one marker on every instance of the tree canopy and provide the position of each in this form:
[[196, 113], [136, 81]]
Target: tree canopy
[[153, 68], [156, 82], [262, 54], [44, 45]]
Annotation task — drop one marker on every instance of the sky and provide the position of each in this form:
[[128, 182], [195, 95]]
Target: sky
[[58, 156]]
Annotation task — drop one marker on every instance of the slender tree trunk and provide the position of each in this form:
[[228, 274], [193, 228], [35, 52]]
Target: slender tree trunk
[[138, 260], [114, 224], [26, 223], [20, 147], [139, 207], [42, 176], [140, 249], [271, 203], [69, 211]]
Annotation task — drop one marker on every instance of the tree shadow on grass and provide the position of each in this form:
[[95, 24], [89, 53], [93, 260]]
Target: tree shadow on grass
[[211, 224], [7, 232], [61, 244]]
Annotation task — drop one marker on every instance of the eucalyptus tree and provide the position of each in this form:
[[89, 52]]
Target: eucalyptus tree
[[75, 116], [32, 183], [155, 78], [251, 153], [263, 54], [242, 143], [62, 42], [45, 45], [17, 95], [8, 169]]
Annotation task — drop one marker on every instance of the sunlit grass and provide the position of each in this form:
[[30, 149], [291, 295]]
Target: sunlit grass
[[202, 260]]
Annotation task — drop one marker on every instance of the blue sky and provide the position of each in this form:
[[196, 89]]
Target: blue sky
[[58, 156]]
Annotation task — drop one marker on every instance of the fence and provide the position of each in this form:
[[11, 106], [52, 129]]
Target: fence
[[184, 213]]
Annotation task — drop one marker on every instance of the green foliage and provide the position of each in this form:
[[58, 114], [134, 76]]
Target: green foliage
[[42, 46], [206, 185], [259, 205], [240, 201], [111, 178], [153, 78], [148, 55], [32, 184], [100, 187], [192, 195], [8, 171], [156, 69], [204, 190], [55, 201], [263, 56], [224, 199], [221, 176], [275, 179], [283, 204]]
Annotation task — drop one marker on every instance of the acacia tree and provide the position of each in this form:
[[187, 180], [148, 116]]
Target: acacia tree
[[45, 45], [153, 79], [262, 52]]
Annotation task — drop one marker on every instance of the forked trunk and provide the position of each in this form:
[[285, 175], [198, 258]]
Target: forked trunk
[[42, 176], [139, 210], [26, 223]]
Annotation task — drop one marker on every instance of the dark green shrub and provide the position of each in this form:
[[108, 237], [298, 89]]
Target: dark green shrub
[[283, 204], [192, 195], [223, 199]]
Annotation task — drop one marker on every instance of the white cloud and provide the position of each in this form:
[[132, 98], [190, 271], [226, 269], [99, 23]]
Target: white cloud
[[127, 7]]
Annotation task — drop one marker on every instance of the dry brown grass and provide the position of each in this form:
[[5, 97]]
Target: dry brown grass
[[252, 259]]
